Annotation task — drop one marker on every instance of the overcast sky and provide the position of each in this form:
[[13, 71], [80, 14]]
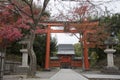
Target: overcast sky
[[65, 38], [58, 5]]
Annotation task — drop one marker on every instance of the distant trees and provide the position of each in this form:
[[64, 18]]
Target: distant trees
[[40, 48], [112, 22], [78, 49]]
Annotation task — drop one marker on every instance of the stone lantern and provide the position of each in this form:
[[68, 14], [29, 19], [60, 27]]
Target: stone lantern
[[110, 42], [24, 52], [23, 69]]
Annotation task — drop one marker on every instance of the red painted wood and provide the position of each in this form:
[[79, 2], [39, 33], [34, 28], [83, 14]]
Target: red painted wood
[[77, 63], [66, 59], [86, 62], [47, 58], [54, 63], [69, 59]]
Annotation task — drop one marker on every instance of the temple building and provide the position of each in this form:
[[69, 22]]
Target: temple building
[[66, 57]]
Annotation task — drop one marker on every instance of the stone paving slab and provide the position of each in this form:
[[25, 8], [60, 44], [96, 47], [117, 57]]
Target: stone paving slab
[[35, 79], [67, 74], [64, 74], [40, 75], [46, 74], [104, 76], [14, 77]]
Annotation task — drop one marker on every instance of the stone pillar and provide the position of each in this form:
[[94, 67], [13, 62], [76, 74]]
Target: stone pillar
[[110, 60], [24, 57]]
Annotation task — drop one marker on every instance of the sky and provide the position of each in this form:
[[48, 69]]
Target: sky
[[65, 38], [58, 5]]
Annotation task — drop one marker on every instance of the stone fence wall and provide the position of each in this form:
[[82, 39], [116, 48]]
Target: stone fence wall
[[10, 67]]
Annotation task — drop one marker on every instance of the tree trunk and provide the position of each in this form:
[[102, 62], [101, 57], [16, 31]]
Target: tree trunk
[[33, 62]]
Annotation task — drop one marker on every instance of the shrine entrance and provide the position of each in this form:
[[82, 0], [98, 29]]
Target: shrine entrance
[[65, 61], [69, 27], [65, 65]]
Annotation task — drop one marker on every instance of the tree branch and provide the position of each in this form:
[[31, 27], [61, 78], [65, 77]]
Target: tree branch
[[91, 3], [17, 7], [43, 9], [31, 2], [31, 7]]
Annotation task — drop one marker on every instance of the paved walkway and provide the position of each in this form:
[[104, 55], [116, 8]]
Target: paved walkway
[[64, 74], [102, 76], [14, 77], [67, 74]]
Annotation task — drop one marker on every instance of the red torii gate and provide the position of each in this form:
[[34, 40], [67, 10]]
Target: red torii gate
[[68, 29]]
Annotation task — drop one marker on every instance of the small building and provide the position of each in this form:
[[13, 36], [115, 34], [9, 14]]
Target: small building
[[66, 57]]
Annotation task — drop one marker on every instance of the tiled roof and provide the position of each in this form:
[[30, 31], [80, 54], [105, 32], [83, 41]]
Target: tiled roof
[[65, 49]]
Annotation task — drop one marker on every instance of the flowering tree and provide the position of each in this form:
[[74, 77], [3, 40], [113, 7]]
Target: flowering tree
[[8, 28], [27, 18]]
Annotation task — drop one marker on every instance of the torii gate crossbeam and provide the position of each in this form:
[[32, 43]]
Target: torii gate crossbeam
[[66, 25]]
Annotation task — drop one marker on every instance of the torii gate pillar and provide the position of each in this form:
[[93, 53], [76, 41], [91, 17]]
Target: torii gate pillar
[[47, 57], [86, 61]]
